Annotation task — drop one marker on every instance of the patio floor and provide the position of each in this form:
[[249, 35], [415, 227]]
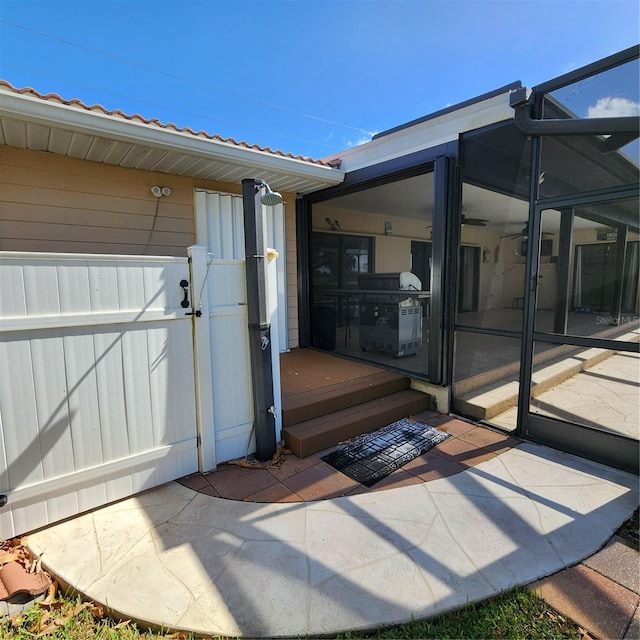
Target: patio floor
[[302, 550], [309, 479], [178, 559], [604, 396]]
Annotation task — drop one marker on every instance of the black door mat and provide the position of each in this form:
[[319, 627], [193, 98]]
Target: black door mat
[[375, 455]]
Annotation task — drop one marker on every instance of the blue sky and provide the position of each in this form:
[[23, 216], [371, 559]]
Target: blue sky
[[308, 77]]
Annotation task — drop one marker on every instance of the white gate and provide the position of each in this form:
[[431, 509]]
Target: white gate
[[220, 228], [97, 396]]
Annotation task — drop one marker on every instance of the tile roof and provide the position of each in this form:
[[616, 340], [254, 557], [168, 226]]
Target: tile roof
[[136, 117]]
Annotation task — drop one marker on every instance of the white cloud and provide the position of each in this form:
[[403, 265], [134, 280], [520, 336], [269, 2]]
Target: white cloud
[[614, 107], [360, 140]]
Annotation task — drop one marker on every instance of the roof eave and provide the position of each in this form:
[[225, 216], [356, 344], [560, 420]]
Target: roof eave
[[37, 111]]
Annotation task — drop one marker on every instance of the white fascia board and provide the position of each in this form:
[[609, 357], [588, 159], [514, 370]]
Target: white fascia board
[[431, 133], [35, 110]]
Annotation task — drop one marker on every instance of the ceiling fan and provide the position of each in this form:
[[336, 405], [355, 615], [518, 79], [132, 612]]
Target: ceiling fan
[[525, 233], [473, 222]]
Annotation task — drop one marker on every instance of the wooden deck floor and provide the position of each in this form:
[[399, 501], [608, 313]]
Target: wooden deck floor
[[303, 370]]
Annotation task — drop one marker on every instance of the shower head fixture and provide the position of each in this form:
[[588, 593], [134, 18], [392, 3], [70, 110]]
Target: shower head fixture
[[269, 197]]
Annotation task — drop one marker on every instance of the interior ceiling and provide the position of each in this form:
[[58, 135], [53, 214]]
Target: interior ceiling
[[410, 198], [413, 198]]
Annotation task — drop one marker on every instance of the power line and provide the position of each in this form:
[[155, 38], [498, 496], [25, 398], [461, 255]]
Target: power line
[[183, 79], [168, 107]]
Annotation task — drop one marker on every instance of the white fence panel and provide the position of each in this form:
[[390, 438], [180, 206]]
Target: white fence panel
[[97, 397], [230, 359], [220, 226]]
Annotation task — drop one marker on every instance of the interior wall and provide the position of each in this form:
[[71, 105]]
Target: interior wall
[[392, 252], [502, 267], [590, 236]]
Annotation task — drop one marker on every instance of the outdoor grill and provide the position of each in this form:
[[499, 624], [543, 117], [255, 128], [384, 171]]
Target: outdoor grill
[[390, 313]]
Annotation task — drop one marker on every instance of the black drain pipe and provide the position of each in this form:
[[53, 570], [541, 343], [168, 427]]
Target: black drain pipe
[[259, 326]]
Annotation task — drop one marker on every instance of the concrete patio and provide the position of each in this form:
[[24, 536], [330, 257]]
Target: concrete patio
[[180, 559]]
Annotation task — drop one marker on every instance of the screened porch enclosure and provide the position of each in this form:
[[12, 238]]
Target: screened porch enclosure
[[587, 271], [550, 350], [523, 240]]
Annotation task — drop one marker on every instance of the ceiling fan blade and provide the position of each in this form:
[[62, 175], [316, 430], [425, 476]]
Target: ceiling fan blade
[[474, 222]]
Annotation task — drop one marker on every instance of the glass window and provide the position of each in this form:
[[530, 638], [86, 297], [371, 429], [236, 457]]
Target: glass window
[[469, 280], [355, 254], [573, 164], [609, 94], [325, 260], [421, 262], [338, 259]]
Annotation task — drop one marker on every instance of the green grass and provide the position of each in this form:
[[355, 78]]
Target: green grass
[[516, 614], [68, 618]]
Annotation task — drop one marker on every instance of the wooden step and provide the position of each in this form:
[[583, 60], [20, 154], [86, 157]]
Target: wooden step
[[311, 436], [320, 402]]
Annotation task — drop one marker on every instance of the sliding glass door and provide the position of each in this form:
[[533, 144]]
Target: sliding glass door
[[337, 261]]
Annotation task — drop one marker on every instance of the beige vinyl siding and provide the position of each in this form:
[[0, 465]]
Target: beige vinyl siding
[[53, 203]]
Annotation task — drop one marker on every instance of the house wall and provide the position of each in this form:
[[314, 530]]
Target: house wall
[[54, 203], [392, 253]]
